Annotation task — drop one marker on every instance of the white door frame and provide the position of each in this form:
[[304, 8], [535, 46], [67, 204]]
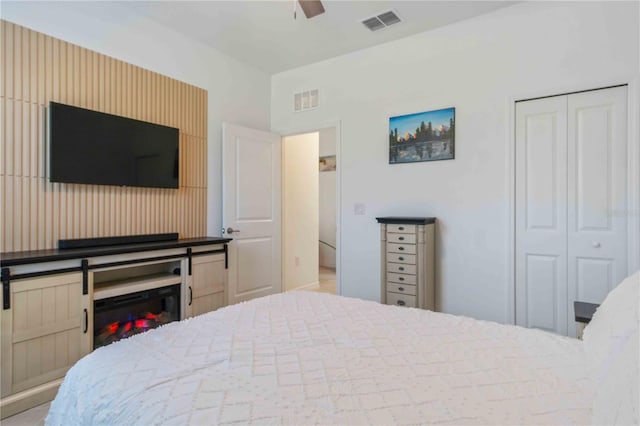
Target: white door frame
[[302, 129], [633, 174]]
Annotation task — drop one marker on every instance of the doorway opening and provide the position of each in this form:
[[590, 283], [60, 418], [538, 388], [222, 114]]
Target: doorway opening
[[309, 199]]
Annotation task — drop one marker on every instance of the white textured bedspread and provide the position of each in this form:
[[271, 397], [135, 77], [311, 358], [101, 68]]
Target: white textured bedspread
[[310, 358]]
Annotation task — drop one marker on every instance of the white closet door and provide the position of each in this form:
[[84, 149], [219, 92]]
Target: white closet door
[[541, 214], [597, 202]]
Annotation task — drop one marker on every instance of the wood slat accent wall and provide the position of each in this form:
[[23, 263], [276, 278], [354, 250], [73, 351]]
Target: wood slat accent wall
[[36, 213]]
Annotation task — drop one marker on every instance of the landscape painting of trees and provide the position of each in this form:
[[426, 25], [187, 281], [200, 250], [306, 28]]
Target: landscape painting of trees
[[424, 136]]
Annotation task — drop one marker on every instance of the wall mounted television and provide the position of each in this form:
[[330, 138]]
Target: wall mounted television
[[91, 147]]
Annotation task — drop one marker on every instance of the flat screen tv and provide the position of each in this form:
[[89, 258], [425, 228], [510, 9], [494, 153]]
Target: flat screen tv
[[95, 148]]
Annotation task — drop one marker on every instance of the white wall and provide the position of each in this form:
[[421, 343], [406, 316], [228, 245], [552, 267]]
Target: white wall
[[300, 210], [478, 66], [238, 93], [327, 202]]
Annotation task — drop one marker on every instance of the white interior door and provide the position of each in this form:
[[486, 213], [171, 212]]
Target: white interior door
[[571, 204], [251, 191], [597, 223], [541, 214]]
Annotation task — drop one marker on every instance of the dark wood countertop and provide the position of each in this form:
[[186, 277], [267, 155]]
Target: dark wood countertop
[[584, 311], [406, 220], [51, 255]]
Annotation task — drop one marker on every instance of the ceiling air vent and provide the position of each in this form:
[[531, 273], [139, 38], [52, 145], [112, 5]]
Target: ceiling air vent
[[381, 21], [373, 24], [306, 100]]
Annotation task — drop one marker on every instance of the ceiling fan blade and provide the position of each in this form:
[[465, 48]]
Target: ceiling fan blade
[[311, 8]]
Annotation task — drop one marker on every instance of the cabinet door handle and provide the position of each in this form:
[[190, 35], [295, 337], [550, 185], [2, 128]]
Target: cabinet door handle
[[86, 321], [190, 295], [401, 288], [401, 302]]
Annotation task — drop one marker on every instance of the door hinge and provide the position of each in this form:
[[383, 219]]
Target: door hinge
[[85, 276], [6, 288]]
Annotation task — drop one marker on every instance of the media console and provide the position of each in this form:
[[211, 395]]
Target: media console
[[60, 304]]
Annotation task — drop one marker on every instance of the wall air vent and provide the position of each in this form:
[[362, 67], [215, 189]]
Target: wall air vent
[[303, 101], [382, 20]]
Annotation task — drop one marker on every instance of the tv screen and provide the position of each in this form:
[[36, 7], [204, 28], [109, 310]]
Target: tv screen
[[95, 148]]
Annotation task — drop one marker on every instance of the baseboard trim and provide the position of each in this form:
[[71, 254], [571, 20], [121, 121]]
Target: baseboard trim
[[309, 286], [22, 401]]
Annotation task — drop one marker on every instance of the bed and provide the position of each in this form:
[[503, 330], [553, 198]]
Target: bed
[[313, 358]]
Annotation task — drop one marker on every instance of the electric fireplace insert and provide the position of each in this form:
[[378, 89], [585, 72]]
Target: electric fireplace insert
[[122, 316]]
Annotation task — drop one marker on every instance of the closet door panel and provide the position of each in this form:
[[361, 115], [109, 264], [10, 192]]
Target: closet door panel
[[541, 212], [597, 198]]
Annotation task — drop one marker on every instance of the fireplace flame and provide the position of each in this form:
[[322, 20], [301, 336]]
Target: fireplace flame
[[122, 329]]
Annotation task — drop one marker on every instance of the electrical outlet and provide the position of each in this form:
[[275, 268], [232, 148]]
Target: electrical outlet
[[297, 261], [359, 209]]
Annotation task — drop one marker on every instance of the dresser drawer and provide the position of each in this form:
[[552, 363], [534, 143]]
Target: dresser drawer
[[401, 268], [403, 229], [401, 278], [401, 288], [401, 300], [402, 258], [401, 238], [401, 248]]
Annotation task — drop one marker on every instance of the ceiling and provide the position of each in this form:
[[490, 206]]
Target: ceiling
[[265, 34]]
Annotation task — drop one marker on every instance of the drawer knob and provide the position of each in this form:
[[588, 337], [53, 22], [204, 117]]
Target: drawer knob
[[401, 288], [401, 268], [401, 258], [401, 278], [401, 302], [400, 248], [401, 228], [401, 238]]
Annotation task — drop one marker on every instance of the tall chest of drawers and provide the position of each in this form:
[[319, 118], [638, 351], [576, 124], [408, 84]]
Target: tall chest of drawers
[[407, 261]]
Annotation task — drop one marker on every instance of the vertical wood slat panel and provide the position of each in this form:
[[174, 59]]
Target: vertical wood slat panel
[[38, 69], [18, 76], [9, 137], [4, 140], [4, 60]]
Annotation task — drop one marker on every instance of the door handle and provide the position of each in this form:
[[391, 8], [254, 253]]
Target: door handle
[[86, 321], [230, 230]]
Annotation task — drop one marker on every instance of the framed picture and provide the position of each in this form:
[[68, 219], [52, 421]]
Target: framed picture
[[328, 163], [424, 136]]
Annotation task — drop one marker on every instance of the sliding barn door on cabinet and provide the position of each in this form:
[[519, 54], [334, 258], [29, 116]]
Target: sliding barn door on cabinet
[[571, 189]]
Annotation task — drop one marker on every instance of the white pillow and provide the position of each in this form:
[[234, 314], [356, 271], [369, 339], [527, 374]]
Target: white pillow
[[611, 344]]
